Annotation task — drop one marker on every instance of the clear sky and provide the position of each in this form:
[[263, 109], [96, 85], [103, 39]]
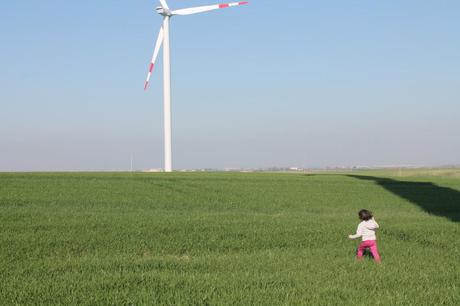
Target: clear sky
[[274, 83]]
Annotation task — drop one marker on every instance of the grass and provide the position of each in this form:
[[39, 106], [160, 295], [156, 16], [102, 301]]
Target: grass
[[226, 238]]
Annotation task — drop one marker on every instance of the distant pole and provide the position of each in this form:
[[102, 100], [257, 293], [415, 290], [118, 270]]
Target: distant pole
[[131, 162]]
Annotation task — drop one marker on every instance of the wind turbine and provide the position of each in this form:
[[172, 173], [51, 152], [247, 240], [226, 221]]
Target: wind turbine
[[163, 38]]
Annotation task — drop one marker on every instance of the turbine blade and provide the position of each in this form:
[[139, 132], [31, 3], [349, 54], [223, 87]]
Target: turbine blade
[[154, 57], [164, 4], [207, 8]]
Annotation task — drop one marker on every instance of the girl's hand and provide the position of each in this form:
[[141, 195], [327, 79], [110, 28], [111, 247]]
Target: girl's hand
[[350, 236]]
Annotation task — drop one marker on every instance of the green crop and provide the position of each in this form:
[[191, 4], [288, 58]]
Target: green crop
[[226, 238]]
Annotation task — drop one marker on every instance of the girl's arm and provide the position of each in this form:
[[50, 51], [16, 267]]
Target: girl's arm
[[359, 232], [372, 224]]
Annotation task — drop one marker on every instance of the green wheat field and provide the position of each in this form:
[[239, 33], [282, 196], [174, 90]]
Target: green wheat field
[[228, 238]]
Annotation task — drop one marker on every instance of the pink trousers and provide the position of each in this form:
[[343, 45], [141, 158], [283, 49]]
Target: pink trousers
[[369, 244]]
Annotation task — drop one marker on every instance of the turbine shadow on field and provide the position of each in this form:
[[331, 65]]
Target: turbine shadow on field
[[434, 199]]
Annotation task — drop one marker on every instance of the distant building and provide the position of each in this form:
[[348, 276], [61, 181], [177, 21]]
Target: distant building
[[153, 170]]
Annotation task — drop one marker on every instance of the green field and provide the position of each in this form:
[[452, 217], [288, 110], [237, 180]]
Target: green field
[[227, 238]]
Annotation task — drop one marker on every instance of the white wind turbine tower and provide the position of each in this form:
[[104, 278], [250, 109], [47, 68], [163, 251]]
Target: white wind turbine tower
[[163, 38]]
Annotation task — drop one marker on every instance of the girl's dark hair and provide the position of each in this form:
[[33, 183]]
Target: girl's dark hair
[[365, 214]]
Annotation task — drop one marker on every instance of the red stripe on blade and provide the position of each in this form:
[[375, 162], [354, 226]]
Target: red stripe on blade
[[241, 3], [145, 86], [151, 67], [223, 5]]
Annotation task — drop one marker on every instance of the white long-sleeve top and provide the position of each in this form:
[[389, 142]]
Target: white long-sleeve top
[[366, 230]]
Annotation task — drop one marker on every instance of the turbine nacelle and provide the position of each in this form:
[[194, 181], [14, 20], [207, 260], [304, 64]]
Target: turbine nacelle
[[163, 11]]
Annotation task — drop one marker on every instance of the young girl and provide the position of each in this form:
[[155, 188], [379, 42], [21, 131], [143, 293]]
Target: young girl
[[366, 230]]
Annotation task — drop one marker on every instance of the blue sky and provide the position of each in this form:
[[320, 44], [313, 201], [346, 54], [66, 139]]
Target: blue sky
[[293, 83]]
